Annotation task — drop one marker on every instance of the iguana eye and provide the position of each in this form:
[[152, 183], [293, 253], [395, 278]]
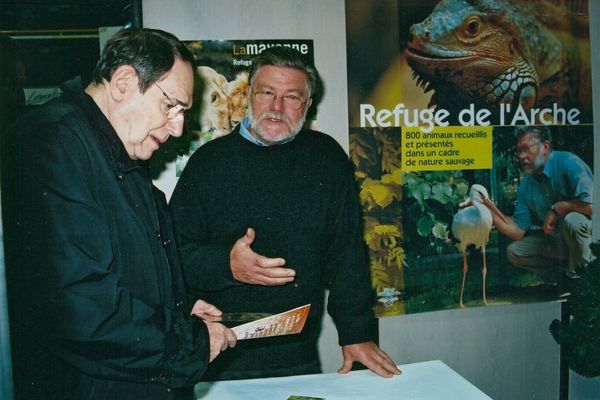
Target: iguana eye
[[472, 26]]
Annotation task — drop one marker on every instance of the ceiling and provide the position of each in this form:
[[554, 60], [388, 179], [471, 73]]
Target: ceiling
[[35, 15], [59, 39]]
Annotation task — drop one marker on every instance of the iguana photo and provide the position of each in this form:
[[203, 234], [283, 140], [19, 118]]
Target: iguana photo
[[533, 53]]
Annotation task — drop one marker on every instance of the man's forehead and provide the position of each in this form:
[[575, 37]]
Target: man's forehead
[[179, 82], [271, 72]]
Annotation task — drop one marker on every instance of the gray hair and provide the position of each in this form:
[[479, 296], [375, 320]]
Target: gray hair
[[541, 133], [283, 56]]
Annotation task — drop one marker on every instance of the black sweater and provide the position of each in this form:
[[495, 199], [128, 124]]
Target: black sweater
[[301, 200]]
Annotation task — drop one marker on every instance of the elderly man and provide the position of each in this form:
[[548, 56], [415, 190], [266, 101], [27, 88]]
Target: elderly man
[[95, 291], [556, 195], [267, 217]]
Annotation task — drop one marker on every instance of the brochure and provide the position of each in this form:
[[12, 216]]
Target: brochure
[[286, 323]]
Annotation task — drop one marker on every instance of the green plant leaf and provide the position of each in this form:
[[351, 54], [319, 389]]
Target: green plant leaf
[[440, 231], [425, 224]]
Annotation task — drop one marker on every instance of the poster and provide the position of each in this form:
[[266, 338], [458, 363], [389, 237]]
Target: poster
[[435, 108]]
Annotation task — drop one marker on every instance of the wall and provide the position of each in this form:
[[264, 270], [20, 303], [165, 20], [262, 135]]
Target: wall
[[506, 351]]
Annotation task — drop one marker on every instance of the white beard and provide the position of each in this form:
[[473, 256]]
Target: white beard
[[292, 132]]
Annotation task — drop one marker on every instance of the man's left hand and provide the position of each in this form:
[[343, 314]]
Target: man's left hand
[[371, 356], [206, 311], [550, 222]]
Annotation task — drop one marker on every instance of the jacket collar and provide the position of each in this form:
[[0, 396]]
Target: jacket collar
[[115, 150]]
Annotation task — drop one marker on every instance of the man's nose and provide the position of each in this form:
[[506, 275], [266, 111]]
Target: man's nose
[[277, 103], [175, 126]]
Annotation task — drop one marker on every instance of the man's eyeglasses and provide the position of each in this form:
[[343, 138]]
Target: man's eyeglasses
[[175, 109], [524, 151], [268, 97]]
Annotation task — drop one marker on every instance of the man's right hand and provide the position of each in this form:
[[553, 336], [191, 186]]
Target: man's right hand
[[221, 337], [250, 267]]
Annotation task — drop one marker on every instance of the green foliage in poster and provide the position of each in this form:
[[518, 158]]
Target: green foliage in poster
[[375, 154], [431, 201]]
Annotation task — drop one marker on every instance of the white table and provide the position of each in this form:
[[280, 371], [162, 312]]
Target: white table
[[430, 380]]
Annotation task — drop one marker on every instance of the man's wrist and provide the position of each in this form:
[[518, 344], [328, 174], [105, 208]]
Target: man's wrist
[[553, 209]]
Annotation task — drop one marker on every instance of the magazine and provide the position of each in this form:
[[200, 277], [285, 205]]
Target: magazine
[[286, 323]]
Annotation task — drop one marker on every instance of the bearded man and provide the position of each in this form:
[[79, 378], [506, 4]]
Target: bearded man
[[268, 217], [551, 226]]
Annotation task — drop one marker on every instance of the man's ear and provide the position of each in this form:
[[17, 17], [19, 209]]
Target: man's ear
[[547, 145], [123, 83]]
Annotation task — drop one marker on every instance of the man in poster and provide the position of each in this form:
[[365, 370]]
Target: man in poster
[[267, 216], [556, 194]]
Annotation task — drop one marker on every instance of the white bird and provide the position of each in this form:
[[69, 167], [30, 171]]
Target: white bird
[[471, 226]]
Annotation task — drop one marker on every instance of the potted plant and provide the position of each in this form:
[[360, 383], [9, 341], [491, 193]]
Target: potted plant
[[580, 336]]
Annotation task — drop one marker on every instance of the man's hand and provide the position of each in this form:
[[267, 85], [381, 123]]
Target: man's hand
[[206, 311], [250, 267], [371, 356], [550, 222], [221, 337]]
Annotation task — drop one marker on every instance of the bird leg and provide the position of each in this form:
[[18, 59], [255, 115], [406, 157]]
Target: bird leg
[[462, 287], [484, 273]]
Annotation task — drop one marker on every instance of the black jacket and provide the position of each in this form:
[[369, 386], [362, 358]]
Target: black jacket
[[95, 292]]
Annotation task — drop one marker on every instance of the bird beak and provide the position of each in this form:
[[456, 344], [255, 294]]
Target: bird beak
[[481, 196], [496, 211]]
